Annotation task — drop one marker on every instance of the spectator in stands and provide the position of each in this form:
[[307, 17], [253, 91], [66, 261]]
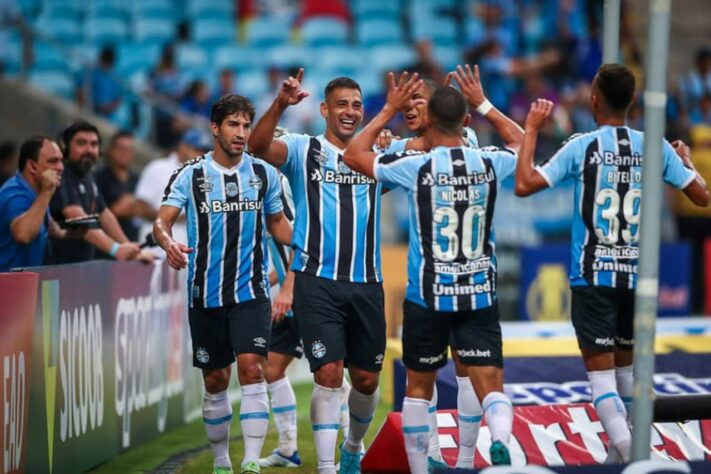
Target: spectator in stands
[[697, 82], [154, 179], [78, 196], [25, 223], [117, 182], [299, 119], [196, 100], [106, 89], [426, 64], [8, 160], [226, 84], [487, 25], [167, 85]]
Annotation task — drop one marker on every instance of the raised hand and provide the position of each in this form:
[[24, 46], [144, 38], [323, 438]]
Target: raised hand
[[400, 92], [469, 83], [290, 92], [541, 109], [49, 181]]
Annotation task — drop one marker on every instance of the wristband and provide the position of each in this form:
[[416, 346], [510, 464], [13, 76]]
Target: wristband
[[485, 107], [114, 249]]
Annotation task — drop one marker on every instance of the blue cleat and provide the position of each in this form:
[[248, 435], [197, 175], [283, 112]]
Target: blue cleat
[[277, 459], [499, 454], [434, 464], [350, 462]]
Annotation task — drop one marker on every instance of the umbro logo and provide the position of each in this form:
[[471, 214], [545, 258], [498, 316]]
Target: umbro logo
[[458, 162], [260, 342], [624, 142]]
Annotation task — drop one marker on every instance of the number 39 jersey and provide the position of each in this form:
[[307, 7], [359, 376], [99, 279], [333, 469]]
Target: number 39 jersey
[[451, 193], [606, 165]]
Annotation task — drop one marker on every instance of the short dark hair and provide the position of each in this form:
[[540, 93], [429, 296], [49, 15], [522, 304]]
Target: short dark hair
[[30, 148], [118, 136], [340, 83], [447, 109], [430, 84], [230, 104], [616, 83], [65, 138]]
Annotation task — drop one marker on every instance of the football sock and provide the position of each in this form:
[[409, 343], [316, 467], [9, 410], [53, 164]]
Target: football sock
[[361, 408], [217, 417], [325, 418], [254, 419], [625, 383], [470, 415], [416, 431], [499, 416], [433, 451], [284, 409], [611, 410]]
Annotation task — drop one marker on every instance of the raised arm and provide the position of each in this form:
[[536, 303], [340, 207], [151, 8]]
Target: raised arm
[[470, 84], [261, 142], [359, 155], [528, 180], [697, 190], [26, 226]]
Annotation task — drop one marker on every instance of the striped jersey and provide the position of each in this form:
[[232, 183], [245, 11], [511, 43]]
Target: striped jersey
[[226, 219], [451, 194], [399, 145], [280, 253], [337, 225], [606, 165]]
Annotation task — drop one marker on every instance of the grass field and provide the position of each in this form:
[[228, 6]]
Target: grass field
[[155, 453]]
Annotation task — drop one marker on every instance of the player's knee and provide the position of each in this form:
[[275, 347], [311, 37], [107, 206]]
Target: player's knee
[[329, 375], [251, 372], [365, 383], [216, 380], [273, 372]]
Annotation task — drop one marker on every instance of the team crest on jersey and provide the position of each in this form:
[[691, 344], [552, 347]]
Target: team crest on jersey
[[255, 182], [321, 158], [202, 356], [231, 189], [318, 349]]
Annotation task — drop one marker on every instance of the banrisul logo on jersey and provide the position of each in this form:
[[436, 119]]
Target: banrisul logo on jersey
[[340, 176], [226, 206]]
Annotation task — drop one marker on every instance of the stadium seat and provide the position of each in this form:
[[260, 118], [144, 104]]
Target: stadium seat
[[61, 11], [288, 56], [11, 57], [55, 82], [107, 10], [448, 56], [133, 58], [239, 59], [153, 30], [49, 57], [391, 58], [322, 31], [439, 30], [344, 60], [266, 31], [211, 32], [369, 9], [67, 30], [379, 32], [252, 84], [211, 9], [29, 8], [105, 30], [145, 9], [190, 57]]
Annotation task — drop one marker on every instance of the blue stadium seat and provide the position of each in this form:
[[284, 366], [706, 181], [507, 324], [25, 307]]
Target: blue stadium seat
[[11, 56], [61, 10], [190, 57], [137, 58], [153, 30], [379, 32], [448, 56], [105, 30], [29, 8], [49, 57], [345, 61], [369, 9], [162, 9], [55, 82], [66, 30], [85, 54], [211, 32], [252, 84], [371, 83], [439, 30], [266, 31], [211, 9], [239, 59], [391, 58], [290, 55], [107, 10], [323, 31]]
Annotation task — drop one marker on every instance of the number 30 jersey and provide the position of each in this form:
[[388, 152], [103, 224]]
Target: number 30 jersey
[[606, 165], [451, 194]]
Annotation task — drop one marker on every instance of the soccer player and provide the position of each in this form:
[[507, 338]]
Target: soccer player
[[229, 197], [468, 406], [451, 262], [338, 294], [606, 165]]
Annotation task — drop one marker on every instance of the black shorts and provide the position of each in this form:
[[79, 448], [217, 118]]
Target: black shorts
[[285, 338], [603, 317], [219, 334], [426, 333], [340, 321]]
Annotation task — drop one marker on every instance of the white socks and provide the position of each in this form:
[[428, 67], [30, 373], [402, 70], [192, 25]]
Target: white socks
[[217, 417], [434, 452], [416, 431], [254, 419], [499, 416], [470, 415], [284, 410], [325, 421], [625, 384], [345, 416], [611, 411], [361, 408]]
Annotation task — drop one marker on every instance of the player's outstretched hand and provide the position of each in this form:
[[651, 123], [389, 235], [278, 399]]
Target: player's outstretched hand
[[176, 253], [469, 83], [282, 304], [683, 150], [290, 92], [541, 109], [400, 92]]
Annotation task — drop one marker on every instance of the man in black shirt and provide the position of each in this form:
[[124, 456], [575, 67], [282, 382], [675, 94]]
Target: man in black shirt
[[117, 183], [78, 196]]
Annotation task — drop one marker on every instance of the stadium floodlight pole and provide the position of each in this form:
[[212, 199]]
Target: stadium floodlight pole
[[655, 99], [611, 32]]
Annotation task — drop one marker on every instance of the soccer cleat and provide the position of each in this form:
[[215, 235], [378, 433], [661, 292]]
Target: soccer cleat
[[499, 454], [350, 462], [250, 468], [433, 464], [276, 459], [222, 470]]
